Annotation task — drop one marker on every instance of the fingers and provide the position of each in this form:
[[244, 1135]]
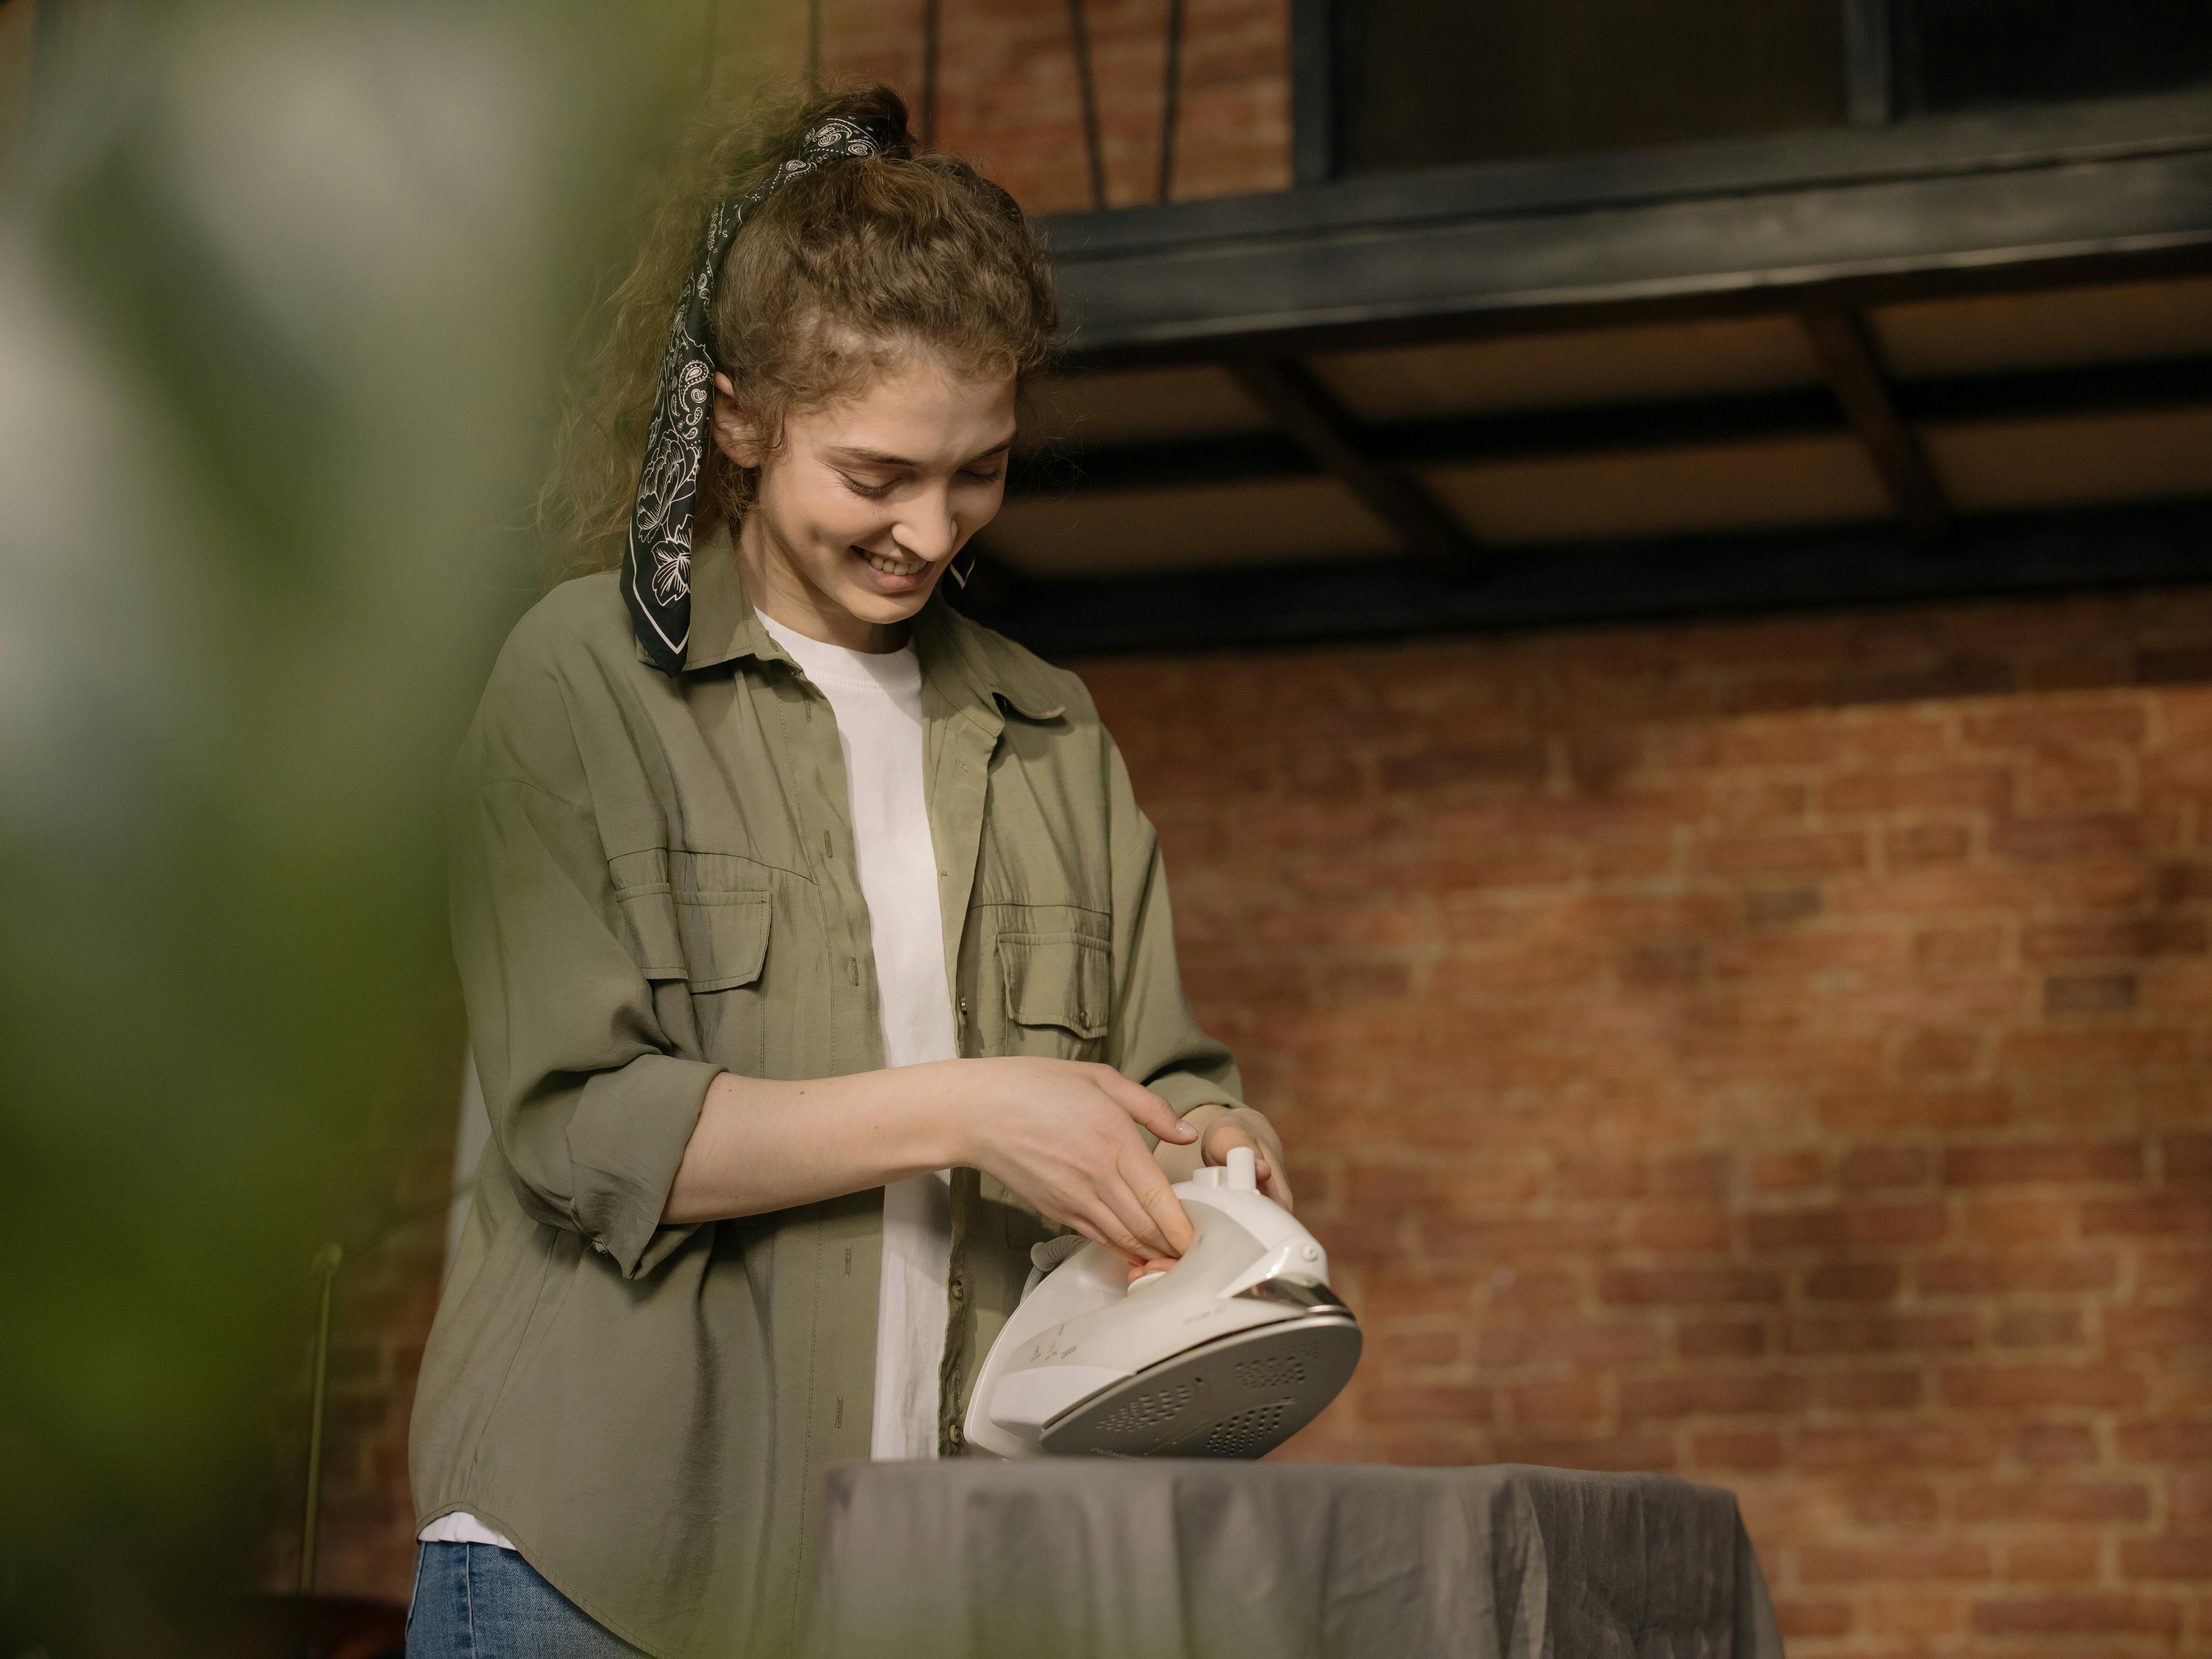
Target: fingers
[[1144, 1108], [1162, 1207]]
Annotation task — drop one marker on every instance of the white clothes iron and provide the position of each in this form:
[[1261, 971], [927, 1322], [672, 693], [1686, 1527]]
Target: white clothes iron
[[1226, 1355]]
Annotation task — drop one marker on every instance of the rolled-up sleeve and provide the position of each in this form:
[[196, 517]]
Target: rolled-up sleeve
[[592, 1104], [1152, 1036]]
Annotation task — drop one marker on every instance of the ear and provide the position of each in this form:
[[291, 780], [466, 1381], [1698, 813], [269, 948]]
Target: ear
[[736, 434]]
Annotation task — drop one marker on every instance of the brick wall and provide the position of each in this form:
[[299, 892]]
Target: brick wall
[[393, 1231], [1774, 1052], [1007, 91]]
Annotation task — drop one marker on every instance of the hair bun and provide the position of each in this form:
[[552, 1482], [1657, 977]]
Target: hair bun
[[876, 107]]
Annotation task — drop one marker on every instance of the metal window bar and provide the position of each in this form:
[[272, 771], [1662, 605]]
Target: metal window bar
[[1079, 36], [1869, 95], [1170, 99], [930, 28]]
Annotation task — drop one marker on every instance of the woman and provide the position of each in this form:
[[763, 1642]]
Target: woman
[[818, 960]]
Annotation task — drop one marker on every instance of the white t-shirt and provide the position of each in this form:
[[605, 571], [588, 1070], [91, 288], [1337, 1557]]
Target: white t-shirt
[[877, 699]]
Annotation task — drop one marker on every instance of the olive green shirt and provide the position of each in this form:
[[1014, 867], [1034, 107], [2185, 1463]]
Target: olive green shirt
[[653, 883]]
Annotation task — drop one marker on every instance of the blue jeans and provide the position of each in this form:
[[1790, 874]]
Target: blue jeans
[[479, 1602]]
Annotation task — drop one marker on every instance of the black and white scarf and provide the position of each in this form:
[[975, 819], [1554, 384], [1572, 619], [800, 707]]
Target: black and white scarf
[[656, 568]]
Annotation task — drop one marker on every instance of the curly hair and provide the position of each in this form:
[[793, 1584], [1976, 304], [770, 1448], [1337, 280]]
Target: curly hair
[[840, 274]]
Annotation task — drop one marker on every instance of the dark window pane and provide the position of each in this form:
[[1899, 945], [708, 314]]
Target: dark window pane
[[1425, 82], [1961, 54]]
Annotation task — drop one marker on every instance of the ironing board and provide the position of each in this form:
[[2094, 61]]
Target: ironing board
[[1161, 1559]]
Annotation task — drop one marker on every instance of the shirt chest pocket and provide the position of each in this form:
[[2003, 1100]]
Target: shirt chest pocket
[[1057, 992], [716, 942]]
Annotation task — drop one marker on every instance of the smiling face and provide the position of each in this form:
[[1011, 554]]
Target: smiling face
[[859, 511]]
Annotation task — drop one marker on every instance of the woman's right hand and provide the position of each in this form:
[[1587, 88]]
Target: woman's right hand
[[1063, 1134]]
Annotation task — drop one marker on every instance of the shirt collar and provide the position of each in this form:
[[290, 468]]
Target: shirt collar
[[969, 664]]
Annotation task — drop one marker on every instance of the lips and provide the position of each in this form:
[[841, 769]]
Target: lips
[[894, 578]]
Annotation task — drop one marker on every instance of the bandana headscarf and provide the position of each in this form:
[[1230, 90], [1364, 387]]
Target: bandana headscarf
[[656, 569]]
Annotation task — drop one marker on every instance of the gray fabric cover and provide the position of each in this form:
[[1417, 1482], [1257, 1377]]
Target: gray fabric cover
[[1161, 1559]]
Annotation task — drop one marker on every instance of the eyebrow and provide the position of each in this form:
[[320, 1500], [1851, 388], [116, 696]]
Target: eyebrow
[[881, 458]]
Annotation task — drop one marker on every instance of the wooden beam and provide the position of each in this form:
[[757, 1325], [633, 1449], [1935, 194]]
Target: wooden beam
[[1578, 585], [1318, 424], [1852, 365], [1459, 440]]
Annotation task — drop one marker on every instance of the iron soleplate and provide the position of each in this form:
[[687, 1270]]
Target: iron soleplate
[[1239, 1396]]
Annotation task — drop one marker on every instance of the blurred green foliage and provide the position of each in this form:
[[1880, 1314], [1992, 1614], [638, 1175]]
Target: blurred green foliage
[[283, 292]]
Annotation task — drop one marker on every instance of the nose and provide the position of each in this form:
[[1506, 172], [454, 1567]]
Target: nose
[[931, 529]]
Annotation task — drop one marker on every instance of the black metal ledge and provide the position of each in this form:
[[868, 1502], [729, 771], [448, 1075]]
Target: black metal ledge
[[1968, 203], [1543, 588]]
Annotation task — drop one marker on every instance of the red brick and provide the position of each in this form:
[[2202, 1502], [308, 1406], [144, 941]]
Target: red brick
[[2176, 1441], [1683, 1229], [1903, 1562], [1535, 1290], [1885, 1166], [2101, 1053], [1804, 854], [2013, 1165], [2011, 1223], [1756, 1450], [2016, 1273], [1918, 845], [1687, 1286], [2031, 1501], [2112, 938], [2089, 993], [1721, 1338], [1881, 1334], [1963, 1447], [1852, 1282], [2186, 1158], [2161, 1330], [2003, 1386], [2188, 1500], [1868, 1390], [2084, 836], [1784, 1172], [1712, 1394], [2041, 725], [1419, 1348], [1908, 1506], [2050, 1444], [1914, 1617], [2166, 1558], [2146, 1214], [2051, 1561], [1831, 1228], [1807, 1619], [1501, 1343], [2038, 1328], [2079, 1615], [1967, 789], [1558, 1402], [1415, 1402]]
